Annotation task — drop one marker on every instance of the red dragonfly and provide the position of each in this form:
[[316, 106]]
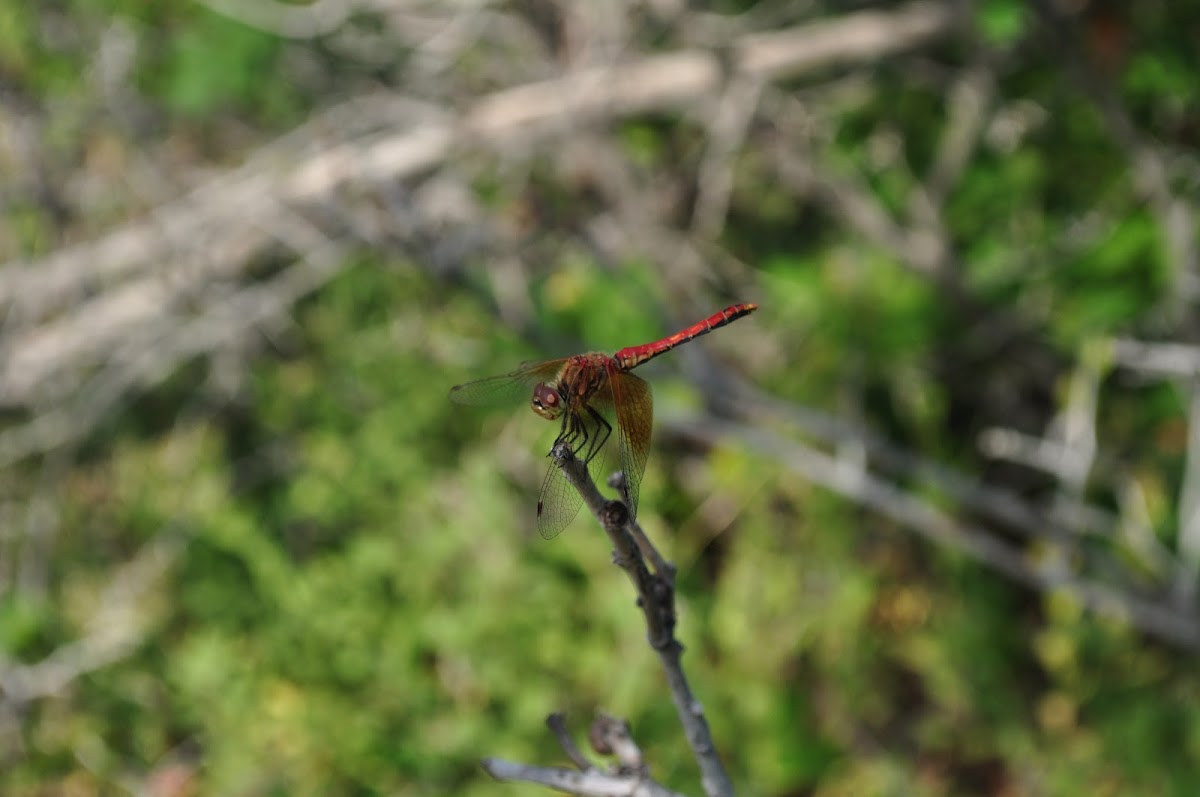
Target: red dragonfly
[[583, 393]]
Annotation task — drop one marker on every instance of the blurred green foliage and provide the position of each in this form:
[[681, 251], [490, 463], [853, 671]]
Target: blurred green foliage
[[360, 605]]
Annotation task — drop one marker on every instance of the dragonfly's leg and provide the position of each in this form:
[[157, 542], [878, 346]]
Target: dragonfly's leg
[[581, 434], [564, 434], [603, 431], [574, 434]]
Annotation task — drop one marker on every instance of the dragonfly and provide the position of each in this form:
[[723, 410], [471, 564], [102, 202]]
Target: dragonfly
[[585, 393]]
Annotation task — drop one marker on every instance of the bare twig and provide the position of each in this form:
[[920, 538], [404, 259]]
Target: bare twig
[[1156, 617], [1138, 532], [967, 107], [730, 119], [1189, 506], [592, 783], [1149, 166], [289, 21], [222, 322], [226, 216], [112, 631], [1157, 359], [1068, 449], [611, 736], [1016, 512], [1176, 361], [656, 596], [660, 565], [558, 726]]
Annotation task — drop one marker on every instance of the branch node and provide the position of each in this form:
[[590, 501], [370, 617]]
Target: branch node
[[557, 723], [610, 735]]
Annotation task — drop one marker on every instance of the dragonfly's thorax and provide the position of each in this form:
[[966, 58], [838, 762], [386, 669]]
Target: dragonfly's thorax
[[581, 377]]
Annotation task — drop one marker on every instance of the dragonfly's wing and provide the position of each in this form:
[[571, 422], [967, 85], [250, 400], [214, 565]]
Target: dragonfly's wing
[[558, 504], [634, 407], [512, 388], [560, 501]]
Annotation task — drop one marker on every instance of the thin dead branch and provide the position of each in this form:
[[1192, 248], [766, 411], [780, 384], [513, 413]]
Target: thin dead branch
[[114, 628], [1153, 615], [656, 597], [592, 783], [119, 285]]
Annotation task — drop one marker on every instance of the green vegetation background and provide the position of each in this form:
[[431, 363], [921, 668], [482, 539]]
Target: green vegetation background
[[361, 607]]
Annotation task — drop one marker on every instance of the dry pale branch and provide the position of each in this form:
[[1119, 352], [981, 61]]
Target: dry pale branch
[[122, 284], [1188, 574], [1180, 362], [998, 505], [1157, 359], [609, 737], [897, 484], [592, 783], [557, 723], [1149, 165], [1155, 616], [289, 21], [222, 322], [112, 630]]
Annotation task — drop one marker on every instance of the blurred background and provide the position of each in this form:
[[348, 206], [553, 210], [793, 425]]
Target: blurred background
[[935, 506]]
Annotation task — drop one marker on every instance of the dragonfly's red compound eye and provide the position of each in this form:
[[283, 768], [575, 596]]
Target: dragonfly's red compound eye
[[546, 401]]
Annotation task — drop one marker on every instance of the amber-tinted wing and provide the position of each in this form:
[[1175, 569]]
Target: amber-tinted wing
[[511, 388], [634, 406]]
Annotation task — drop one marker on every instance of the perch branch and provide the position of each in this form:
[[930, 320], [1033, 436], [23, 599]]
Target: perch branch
[[656, 597]]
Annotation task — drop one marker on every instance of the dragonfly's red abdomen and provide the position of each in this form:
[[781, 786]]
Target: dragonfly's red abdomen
[[634, 356]]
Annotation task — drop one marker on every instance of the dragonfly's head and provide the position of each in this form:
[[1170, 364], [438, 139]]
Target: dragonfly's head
[[547, 401]]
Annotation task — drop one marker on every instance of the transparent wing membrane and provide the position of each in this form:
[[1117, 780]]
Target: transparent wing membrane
[[559, 502], [511, 388]]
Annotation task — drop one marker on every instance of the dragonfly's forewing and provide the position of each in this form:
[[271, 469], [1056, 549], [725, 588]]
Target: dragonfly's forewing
[[511, 388]]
